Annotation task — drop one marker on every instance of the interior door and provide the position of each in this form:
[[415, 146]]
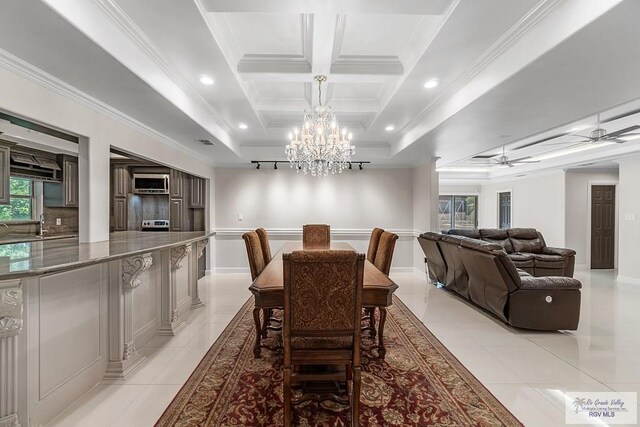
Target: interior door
[[504, 209], [603, 205]]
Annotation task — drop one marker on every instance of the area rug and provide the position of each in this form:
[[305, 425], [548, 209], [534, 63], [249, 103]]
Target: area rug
[[420, 383]]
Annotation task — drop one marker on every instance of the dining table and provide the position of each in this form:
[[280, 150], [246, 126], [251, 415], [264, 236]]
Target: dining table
[[268, 290]]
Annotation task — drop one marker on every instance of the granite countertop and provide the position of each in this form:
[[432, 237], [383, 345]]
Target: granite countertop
[[46, 256]]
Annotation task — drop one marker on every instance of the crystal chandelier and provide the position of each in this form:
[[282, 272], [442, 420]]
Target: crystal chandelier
[[320, 147]]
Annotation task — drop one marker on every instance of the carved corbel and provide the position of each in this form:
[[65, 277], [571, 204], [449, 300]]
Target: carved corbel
[[200, 245], [132, 268], [178, 254], [10, 310]]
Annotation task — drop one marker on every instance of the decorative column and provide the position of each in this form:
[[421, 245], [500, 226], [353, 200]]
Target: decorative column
[[123, 358], [10, 327], [196, 302], [170, 322]]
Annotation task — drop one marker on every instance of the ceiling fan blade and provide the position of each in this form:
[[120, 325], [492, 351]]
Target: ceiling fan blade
[[567, 142], [526, 161], [616, 140], [510, 164], [622, 131], [580, 136], [519, 159]]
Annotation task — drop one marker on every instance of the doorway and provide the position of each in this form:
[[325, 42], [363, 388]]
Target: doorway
[[603, 206], [504, 209]]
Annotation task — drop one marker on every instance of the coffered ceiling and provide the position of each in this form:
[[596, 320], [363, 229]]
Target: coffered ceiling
[[493, 59]]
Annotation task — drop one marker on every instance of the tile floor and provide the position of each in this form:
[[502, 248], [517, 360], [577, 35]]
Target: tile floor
[[527, 371]]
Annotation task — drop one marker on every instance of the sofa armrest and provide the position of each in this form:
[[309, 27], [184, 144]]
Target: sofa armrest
[[549, 282], [558, 251]]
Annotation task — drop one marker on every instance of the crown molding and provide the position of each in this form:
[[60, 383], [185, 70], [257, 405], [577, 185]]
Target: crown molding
[[491, 54], [42, 78], [130, 29]]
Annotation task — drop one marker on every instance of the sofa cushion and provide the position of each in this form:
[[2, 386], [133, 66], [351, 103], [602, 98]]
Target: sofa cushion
[[522, 260], [506, 243], [531, 246], [549, 261], [523, 233], [474, 234]]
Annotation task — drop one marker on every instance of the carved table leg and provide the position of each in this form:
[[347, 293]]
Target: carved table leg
[[382, 351], [372, 322], [256, 319], [266, 315]]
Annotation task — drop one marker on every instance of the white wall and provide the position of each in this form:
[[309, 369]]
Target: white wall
[[353, 203], [578, 210], [628, 220], [537, 201], [24, 97]]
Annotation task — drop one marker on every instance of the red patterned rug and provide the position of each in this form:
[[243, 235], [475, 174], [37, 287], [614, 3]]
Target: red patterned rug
[[419, 383]]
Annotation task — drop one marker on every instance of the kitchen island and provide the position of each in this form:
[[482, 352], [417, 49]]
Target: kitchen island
[[72, 314]]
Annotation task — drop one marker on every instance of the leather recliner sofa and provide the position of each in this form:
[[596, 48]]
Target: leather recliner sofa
[[483, 273], [527, 248]]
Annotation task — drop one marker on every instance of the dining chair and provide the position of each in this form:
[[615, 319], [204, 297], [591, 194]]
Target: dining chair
[[384, 254], [264, 244], [373, 244], [256, 265], [316, 236], [382, 261], [267, 313], [322, 309]]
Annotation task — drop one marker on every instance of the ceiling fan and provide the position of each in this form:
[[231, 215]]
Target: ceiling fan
[[600, 135], [505, 161]]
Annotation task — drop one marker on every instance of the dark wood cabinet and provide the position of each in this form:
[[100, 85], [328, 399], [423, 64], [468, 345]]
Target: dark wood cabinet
[[70, 175], [121, 181], [120, 214], [176, 215], [197, 199], [176, 184], [5, 153]]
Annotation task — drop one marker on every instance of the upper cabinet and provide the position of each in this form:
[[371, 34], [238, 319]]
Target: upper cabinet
[[176, 184], [197, 193], [5, 153], [70, 174]]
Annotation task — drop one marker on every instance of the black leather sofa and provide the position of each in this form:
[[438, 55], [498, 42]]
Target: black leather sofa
[[483, 273], [527, 249]]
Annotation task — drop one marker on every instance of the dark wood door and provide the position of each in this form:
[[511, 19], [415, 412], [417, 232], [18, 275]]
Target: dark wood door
[[603, 206]]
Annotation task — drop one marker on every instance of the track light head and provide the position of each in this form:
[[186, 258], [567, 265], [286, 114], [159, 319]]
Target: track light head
[[350, 166], [361, 168], [258, 166], [275, 165]]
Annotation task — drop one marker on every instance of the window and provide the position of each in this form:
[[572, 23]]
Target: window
[[21, 200], [457, 212], [504, 209]]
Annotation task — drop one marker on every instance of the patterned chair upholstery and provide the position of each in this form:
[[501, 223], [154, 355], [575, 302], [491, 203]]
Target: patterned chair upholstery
[[384, 254], [254, 253], [316, 236], [264, 244], [373, 244], [322, 306]]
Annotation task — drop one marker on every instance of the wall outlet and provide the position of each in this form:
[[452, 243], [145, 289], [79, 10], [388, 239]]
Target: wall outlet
[[240, 217], [58, 221], [630, 217]]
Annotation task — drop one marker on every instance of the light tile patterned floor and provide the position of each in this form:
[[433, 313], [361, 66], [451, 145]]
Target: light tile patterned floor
[[527, 371]]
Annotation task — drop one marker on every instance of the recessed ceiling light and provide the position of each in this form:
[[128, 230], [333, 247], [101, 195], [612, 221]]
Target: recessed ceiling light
[[389, 128], [243, 126], [206, 80], [430, 84]]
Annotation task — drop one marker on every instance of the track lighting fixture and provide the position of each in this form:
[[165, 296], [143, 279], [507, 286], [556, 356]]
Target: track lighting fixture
[[350, 166], [258, 165], [275, 164], [361, 166]]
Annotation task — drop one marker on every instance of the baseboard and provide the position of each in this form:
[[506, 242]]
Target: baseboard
[[628, 280], [582, 266]]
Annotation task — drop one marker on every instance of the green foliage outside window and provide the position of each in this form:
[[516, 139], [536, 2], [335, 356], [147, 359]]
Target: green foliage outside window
[[19, 208]]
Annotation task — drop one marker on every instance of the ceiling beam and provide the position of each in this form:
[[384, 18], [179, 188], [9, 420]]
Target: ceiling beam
[[404, 7], [324, 32]]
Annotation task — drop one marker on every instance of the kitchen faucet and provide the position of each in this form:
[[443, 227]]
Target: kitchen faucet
[[41, 231]]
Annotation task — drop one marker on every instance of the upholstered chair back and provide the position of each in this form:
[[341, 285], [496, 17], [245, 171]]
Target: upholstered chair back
[[316, 236], [322, 296], [264, 244], [373, 244], [384, 254], [254, 253]]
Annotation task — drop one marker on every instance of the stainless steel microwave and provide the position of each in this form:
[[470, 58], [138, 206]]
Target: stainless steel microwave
[[150, 183]]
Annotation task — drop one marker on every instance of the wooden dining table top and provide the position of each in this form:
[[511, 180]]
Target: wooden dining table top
[[271, 278]]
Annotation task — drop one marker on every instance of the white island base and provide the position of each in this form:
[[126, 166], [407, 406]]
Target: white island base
[[63, 332]]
